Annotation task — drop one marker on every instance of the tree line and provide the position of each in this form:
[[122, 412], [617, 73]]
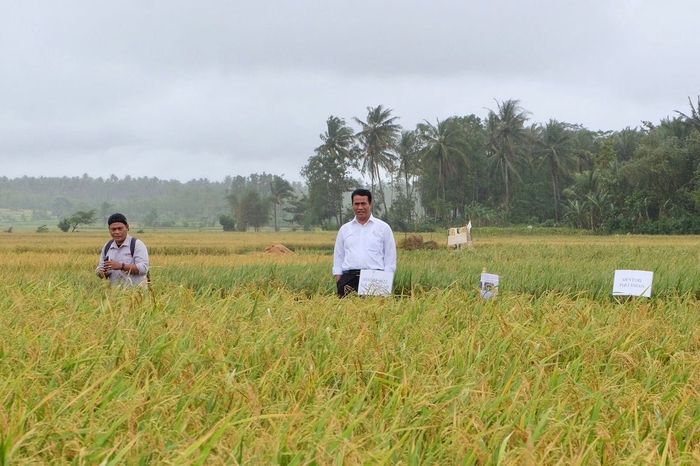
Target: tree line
[[499, 170], [504, 169]]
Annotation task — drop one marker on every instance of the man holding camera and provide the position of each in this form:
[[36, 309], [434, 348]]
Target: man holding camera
[[124, 259]]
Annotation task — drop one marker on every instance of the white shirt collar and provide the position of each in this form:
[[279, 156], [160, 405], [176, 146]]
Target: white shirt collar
[[370, 219]]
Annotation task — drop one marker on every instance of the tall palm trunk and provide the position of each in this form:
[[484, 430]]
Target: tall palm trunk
[[556, 198], [381, 192], [507, 182]]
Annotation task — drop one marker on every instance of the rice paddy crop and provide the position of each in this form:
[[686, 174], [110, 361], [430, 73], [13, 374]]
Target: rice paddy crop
[[236, 356]]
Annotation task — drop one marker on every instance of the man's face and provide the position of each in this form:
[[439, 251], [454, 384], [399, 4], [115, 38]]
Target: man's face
[[362, 208], [118, 232]]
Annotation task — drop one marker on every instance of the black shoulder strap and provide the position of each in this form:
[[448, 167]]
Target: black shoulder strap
[[107, 246], [132, 247]]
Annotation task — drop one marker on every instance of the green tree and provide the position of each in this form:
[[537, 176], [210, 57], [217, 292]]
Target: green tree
[[64, 225], [408, 154], [227, 222], [663, 168], [507, 137], [78, 218], [338, 140], [442, 144], [280, 190], [575, 213], [555, 153], [299, 211], [403, 205], [326, 173], [327, 180], [255, 210], [401, 213], [378, 137]]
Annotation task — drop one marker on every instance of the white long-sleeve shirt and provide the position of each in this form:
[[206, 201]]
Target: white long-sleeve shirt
[[368, 246]]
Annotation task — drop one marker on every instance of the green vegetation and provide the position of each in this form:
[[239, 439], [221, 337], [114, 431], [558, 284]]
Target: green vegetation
[[500, 170], [242, 357], [78, 218]]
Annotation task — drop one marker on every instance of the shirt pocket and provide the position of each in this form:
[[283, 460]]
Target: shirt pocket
[[375, 242]]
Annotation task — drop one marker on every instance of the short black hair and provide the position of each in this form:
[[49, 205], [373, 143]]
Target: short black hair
[[361, 192]]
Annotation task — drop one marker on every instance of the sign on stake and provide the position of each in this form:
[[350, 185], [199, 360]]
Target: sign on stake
[[375, 283], [489, 285], [632, 283]]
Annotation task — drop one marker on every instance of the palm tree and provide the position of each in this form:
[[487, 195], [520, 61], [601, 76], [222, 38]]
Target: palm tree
[[575, 212], [378, 138], [280, 189], [441, 143], [407, 152], [554, 149], [693, 120], [506, 131], [597, 203], [338, 140], [329, 168]]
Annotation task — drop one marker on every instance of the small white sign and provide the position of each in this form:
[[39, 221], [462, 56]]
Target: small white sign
[[632, 283], [375, 283], [489, 285]]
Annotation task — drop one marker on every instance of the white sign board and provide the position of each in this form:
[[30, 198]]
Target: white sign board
[[489, 285], [375, 283], [632, 283]]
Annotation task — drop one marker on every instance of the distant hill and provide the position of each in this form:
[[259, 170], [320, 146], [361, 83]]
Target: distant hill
[[144, 200]]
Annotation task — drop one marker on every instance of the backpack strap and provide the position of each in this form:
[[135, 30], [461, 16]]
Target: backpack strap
[[132, 246], [107, 246]]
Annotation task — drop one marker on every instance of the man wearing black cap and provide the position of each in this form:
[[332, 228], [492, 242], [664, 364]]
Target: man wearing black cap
[[124, 259]]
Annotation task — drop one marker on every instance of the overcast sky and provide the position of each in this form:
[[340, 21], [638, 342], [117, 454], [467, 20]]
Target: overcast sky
[[184, 89]]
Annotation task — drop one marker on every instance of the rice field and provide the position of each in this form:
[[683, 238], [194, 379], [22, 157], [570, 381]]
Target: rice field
[[236, 356]]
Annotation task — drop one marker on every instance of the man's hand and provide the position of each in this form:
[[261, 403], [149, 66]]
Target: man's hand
[[337, 278], [113, 265]]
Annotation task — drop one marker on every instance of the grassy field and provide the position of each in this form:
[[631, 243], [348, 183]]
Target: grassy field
[[241, 357]]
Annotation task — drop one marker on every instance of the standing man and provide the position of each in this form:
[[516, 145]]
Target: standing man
[[363, 243], [124, 259]]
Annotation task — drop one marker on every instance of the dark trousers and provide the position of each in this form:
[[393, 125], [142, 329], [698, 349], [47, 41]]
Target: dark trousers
[[349, 282]]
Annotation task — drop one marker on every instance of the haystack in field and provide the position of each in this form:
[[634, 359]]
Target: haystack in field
[[412, 242], [278, 249]]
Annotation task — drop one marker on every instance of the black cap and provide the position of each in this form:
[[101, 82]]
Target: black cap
[[117, 218]]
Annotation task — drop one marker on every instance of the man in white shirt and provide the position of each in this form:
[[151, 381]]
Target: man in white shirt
[[363, 243], [124, 259]]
